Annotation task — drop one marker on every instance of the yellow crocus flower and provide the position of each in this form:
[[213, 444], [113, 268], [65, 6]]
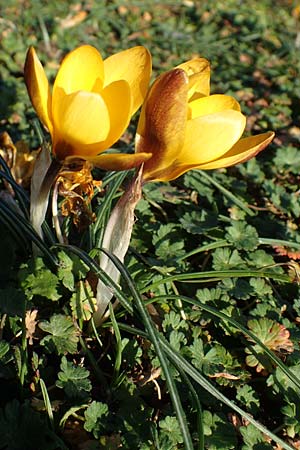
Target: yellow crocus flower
[[184, 127], [91, 103]]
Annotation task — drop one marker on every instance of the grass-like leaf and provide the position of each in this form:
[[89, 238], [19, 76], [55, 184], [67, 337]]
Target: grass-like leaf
[[94, 267], [179, 361], [118, 358], [239, 327], [184, 366], [21, 195], [204, 248], [22, 227], [237, 201], [153, 336], [47, 402], [282, 242], [209, 276]]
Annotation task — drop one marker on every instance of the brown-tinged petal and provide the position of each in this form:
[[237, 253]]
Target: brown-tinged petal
[[168, 173], [198, 71], [81, 70], [243, 150], [134, 66], [38, 88], [162, 123], [119, 161]]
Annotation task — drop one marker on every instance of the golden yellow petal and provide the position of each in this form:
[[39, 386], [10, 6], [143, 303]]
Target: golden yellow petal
[[38, 88], [81, 70], [134, 66], [119, 161], [243, 150], [198, 71], [212, 104], [209, 137], [118, 100], [162, 123], [81, 119]]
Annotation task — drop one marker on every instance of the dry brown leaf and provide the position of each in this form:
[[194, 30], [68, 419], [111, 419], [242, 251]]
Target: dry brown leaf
[[122, 10], [294, 271], [18, 157], [147, 16], [155, 373], [144, 379], [72, 20], [30, 323], [235, 420], [226, 375], [76, 185], [284, 251]]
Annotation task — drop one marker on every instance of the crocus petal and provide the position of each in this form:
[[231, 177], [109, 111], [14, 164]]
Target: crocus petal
[[243, 150], [82, 118], [163, 120], [209, 137], [198, 71], [134, 66], [38, 88], [212, 104], [115, 94], [119, 161], [81, 70]]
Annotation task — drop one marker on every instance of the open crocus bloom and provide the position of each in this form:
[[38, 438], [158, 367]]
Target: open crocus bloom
[[184, 127], [91, 103]]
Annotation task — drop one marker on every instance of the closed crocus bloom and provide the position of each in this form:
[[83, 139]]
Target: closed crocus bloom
[[91, 103], [184, 127]]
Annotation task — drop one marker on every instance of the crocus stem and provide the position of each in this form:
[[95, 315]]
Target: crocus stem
[[55, 216], [47, 171], [116, 240], [50, 177]]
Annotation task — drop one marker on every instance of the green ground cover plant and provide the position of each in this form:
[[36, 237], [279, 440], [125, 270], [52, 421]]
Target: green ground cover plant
[[201, 347]]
